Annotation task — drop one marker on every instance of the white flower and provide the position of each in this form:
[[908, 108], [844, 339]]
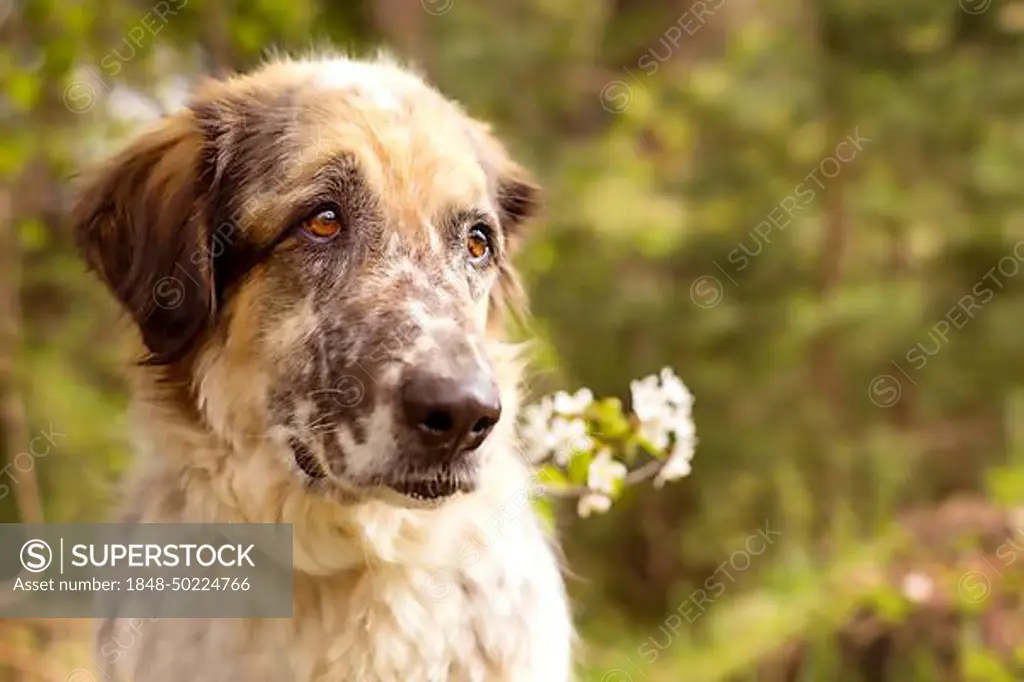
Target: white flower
[[648, 403], [674, 390], [568, 436], [675, 467], [553, 426], [536, 430], [682, 426], [593, 502], [663, 405], [657, 432], [604, 473], [566, 404], [665, 401], [918, 587]]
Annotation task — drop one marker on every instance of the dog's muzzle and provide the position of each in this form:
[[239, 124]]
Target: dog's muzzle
[[449, 406]]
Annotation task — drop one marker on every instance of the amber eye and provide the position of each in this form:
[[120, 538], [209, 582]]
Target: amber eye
[[323, 226], [478, 244]]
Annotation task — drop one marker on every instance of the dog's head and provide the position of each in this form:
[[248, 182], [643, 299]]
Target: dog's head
[[320, 250]]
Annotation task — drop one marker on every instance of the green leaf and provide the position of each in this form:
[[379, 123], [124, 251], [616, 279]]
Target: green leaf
[[609, 421], [579, 466], [552, 477]]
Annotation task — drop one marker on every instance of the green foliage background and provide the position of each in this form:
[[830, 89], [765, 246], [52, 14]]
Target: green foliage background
[[665, 133]]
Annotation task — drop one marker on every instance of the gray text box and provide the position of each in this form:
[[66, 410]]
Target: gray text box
[[146, 570]]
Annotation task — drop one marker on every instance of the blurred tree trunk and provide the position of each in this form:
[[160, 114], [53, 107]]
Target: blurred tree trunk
[[34, 194], [899, 267], [826, 370], [15, 505], [20, 501]]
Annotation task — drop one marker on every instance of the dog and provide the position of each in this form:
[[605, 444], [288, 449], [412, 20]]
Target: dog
[[316, 259]]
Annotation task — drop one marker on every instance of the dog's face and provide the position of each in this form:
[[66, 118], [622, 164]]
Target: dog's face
[[320, 250]]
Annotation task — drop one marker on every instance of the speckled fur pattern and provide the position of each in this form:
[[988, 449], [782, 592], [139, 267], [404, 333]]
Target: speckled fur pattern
[[271, 363]]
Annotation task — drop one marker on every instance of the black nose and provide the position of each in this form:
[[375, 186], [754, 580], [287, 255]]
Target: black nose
[[453, 414]]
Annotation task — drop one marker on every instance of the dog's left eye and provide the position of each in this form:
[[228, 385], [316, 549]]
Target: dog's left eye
[[322, 226], [478, 244]]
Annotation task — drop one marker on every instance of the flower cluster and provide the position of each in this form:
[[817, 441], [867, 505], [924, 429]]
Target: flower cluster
[[664, 409], [585, 446], [555, 427]]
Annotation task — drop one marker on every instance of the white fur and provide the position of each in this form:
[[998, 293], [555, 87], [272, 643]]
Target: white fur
[[363, 77], [468, 592], [371, 456]]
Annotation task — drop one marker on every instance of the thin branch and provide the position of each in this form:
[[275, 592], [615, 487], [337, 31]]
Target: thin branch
[[639, 475]]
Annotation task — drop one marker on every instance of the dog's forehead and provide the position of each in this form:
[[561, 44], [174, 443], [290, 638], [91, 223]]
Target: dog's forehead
[[384, 87], [414, 147]]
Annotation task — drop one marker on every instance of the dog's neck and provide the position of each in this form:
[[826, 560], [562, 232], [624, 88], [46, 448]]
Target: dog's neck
[[186, 472]]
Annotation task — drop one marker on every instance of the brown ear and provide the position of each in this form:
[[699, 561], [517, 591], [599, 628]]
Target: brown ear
[[518, 201], [518, 197], [517, 194], [140, 225]]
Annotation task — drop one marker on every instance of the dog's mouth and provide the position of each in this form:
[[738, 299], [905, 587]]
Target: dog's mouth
[[433, 490], [434, 486]]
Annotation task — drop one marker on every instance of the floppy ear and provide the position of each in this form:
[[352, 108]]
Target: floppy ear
[[140, 224], [518, 199], [517, 194]]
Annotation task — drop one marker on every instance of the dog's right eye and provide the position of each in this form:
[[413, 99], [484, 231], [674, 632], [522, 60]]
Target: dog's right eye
[[322, 226]]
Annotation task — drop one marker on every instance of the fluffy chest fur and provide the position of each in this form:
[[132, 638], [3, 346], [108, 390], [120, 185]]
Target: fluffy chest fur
[[488, 623], [468, 592]]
